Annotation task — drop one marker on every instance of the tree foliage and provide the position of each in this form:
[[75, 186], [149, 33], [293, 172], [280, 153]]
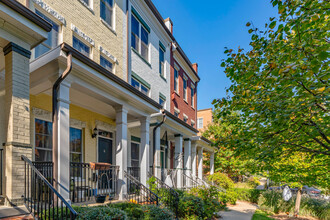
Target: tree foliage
[[280, 88]]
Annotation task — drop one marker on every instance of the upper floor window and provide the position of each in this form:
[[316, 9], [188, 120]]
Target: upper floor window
[[81, 47], [107, 11], [185, 88], [200, 123], [162, 100], [176, 114], [192, 89], [86, 1], [161, 61], [176, 80], [140, 86], [140, 37], [106, 64], [52, 38]]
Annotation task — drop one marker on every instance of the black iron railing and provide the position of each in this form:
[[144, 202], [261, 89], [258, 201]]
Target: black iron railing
[[87, 183], [138, 193], [41, 198], [188, 181], [168, 196], [1, 168], [134, 171]]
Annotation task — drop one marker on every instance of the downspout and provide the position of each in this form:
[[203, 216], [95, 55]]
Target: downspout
[[154, 140], [54, 114]]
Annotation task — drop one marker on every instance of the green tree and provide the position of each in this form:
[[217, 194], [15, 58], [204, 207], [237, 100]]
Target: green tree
[[280, 87]]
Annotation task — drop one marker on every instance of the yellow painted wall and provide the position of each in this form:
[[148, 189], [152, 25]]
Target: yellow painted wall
[[43, 101]]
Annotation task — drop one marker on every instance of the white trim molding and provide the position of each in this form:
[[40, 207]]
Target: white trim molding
[[108, 54], [82, 35], [177, 110], [104, 126], [51, 11]]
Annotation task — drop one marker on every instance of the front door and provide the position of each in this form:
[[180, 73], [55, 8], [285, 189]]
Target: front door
[[105, 150]]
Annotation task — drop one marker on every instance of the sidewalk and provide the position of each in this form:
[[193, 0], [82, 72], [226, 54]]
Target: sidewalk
[[241, 211]]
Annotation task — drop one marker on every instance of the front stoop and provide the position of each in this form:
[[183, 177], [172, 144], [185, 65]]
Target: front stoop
[[19, 212]]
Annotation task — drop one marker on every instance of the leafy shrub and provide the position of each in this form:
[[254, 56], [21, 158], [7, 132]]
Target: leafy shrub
[[253, 182], [190, 205], [101, 213], [243, 185], [249, 195], [229, 196], [152, 212], [272, 201], [222, 180], [133, 211]]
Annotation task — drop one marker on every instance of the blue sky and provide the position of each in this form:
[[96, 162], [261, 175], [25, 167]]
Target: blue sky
[[204, 28]]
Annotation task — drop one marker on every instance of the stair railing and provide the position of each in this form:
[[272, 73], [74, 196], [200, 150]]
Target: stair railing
[[41, 198], [138, 193]]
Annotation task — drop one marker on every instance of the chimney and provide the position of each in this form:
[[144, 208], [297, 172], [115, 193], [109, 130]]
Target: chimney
[[195, 67], [169, 24]]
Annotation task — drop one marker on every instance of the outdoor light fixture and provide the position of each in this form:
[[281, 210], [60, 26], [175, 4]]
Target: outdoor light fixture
[[94, 133]]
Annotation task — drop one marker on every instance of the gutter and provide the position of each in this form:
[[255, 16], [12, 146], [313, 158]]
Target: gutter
[[54, 113], [154, 140]]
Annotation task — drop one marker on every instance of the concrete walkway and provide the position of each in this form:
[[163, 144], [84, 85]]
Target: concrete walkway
[[241, 211]]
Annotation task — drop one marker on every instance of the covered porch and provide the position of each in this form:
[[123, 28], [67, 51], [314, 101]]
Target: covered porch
[[95, 110]]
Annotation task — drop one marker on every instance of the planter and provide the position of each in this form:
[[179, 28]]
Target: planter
[[100, 166], [100, 198]]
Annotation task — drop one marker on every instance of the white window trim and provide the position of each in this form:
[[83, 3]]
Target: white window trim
[[177, 110], [177, 81], [185, 92], [112, 27], [39, 4], [198, 119], [140, 39], [192, 86], [185, 116], [88, 6]]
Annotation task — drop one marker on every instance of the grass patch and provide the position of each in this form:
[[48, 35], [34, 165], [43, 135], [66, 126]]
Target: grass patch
[[261, 215]]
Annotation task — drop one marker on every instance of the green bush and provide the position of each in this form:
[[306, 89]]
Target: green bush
[[190, 205], [101, 213], [222, 180], [133, 211], [152, 212], [249, 195], [272, 201], [229, 196], [253, 182]]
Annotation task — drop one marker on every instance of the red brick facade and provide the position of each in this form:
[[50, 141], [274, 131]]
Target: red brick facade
[[177, 98]]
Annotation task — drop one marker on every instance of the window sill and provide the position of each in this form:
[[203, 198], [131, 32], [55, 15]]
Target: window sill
[[161, 76], [144, 60], [108, 26], [175, 92], [186, 102], [87, 6]]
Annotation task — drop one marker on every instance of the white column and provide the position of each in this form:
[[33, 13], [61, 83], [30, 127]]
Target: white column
[[144, 149], [63, 140], [157, 158], [194, 160], [121, 149], [212, 163], [187, 160], [200, 163], [178, 160]]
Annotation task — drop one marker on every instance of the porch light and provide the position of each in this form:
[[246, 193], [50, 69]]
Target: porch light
[[94, 133]]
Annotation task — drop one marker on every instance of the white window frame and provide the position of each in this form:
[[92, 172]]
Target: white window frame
[[90, 55], [176, 110], [88, 5], [198, 122], [110, 61], [192, 88], [163, 64], [113, 17], [140, 85], [185, 90], [185, 118], [139, 47], [176, 80]]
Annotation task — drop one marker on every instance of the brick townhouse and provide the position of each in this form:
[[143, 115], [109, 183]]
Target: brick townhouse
[[85, 82]]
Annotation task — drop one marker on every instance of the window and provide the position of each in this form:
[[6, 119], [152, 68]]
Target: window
[[140, 38], [185, 119], [86, 1], [176, 80], [162, 100], [176, 114], [81, 47], [140, 86], [75, 145], [52, 38], [43, 142], [185, 88], [161, 62], [192, 89], [192, 123], [135, 152], [200, 123], [107, 11], [106, 63]]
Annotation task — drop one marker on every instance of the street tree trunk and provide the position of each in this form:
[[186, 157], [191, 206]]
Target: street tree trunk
[[298, 199]]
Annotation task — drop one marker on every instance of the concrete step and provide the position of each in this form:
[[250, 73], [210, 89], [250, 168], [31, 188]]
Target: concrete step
[[19, 212]]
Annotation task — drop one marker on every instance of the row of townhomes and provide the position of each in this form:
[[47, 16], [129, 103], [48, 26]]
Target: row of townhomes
[[95, 96]]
